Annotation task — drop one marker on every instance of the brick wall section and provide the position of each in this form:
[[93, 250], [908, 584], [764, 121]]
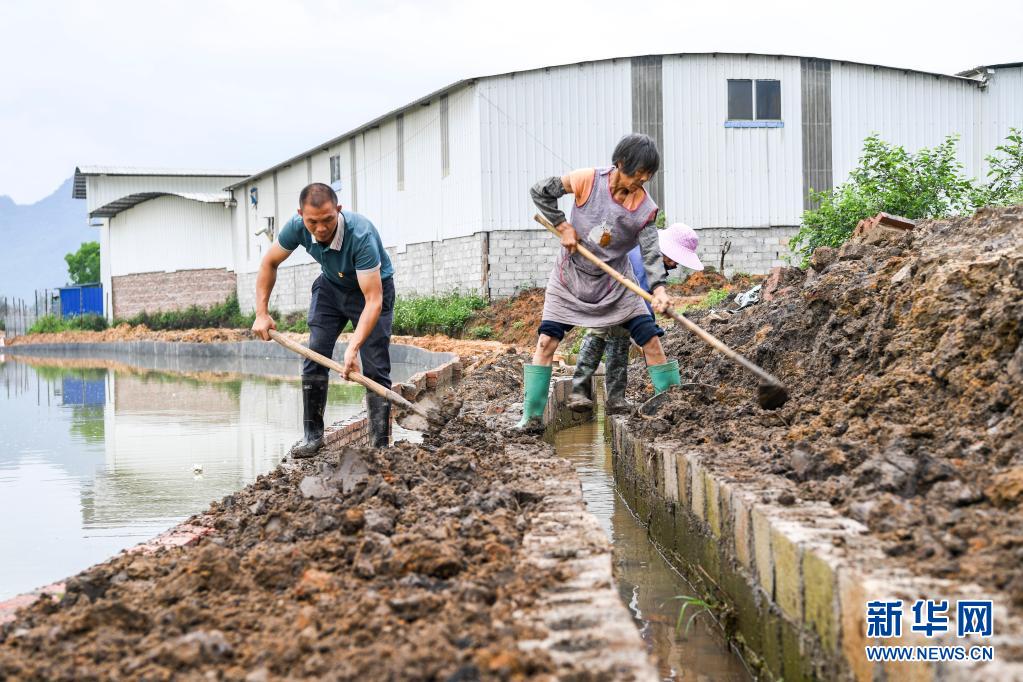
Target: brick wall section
[[520, 259], [161, 291], [517, 259], [291, 293], [754, 249], [431, 268]]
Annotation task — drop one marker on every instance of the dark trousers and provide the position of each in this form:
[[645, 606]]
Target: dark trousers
[[331, 308]]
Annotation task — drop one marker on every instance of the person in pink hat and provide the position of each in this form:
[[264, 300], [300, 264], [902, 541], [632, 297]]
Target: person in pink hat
[[677, 245]]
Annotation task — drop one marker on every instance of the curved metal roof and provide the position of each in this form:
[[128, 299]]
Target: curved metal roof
[[81, 172], [114, 207]]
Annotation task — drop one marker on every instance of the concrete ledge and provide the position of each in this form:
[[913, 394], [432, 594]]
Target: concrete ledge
[[589, 632], [798, 577]]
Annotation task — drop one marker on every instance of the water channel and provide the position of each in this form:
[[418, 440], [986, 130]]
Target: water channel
[[646, 582]]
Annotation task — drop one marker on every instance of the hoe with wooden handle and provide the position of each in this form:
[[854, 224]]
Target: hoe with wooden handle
[[357, 377], [771, 393]]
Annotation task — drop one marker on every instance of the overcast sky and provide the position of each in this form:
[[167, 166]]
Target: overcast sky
[[243, 84]]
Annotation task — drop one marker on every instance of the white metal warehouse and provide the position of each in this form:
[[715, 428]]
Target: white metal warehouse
[[743, 138], [445, 179], [165, 236]]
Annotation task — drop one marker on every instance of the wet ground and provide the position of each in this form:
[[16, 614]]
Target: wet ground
[[645, 581], [96, 459]]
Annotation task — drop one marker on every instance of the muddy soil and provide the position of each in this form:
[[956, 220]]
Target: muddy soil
[[905, 366], [394, 564]]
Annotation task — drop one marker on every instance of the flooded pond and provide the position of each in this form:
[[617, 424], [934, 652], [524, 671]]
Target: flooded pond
[[645, 581], [94, 459]]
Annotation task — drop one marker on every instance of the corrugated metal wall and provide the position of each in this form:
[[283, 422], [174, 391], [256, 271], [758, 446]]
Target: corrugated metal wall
[[101, 190], [648, 109], [815, 104], [1002, 107], [430, 206], [912, 109], [170, 233], [729, 177], [547, 122]]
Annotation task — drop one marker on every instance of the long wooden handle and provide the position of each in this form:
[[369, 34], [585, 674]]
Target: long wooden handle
[[707, 337], [357, 377]]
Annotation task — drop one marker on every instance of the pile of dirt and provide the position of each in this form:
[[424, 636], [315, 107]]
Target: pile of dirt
[[127, 332], [905, 366], [396, 564], [512, 320]]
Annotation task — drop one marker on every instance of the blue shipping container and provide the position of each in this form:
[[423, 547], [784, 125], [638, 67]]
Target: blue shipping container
[[84, 300]]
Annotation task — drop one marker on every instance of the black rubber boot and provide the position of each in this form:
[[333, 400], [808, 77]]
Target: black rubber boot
[[616, 375], [314, 401], [379, 412], [586, 363]]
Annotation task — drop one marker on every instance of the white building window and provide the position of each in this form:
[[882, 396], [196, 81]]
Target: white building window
[[445, 138], [399, 146], [335, 168], [754, 103]]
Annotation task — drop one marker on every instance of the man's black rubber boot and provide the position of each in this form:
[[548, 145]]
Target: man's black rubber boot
[[314, 402], [379, 412], [616, 375], [586, 363]]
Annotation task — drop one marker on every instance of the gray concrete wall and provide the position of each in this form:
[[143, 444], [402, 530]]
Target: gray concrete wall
[[754, 250], [504, 262]]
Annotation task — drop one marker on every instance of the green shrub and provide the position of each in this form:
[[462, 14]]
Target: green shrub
[[226, 314], [713, 298], [445, 314], [481, 332], [924, 184], [54, 324], [518, 324], [1005, 177], [292, 322]]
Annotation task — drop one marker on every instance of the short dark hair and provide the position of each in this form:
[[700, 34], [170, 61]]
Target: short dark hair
[[316, 195], [636, 152]]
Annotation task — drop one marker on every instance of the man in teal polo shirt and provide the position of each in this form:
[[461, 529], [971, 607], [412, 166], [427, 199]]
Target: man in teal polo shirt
[[356, 285]]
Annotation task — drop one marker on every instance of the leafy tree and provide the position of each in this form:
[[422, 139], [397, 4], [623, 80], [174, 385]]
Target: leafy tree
[[83, 264]]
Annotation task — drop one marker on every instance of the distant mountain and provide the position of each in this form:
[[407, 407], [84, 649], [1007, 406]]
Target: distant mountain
[[34, 239]]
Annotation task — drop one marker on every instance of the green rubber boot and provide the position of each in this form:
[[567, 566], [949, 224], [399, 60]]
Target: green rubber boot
[[664, 376], [537, 381]]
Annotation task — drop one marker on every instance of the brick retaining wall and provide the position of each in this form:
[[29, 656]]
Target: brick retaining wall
[[154, 292], [796, 577]]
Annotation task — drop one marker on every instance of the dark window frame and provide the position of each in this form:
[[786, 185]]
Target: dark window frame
[[335, 168], [399, 142], [737, 110]]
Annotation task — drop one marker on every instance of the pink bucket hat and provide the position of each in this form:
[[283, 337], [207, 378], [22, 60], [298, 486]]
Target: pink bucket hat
[[678, 242]]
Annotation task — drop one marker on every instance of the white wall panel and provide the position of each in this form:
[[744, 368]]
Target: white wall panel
[[170, 233], [729, 177], [910, 109], [546, 122]]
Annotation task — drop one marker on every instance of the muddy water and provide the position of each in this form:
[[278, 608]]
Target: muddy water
[[96, 460], [646, 583]]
